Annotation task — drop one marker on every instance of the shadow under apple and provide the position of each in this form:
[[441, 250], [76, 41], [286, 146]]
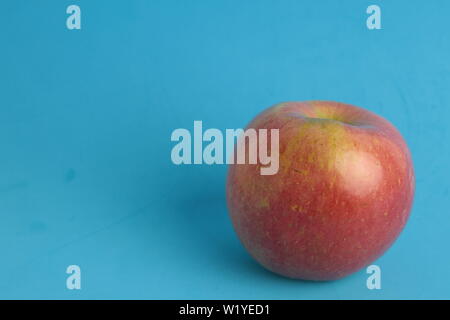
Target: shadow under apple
[[203, 222]]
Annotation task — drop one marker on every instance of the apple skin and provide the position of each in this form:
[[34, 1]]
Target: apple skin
[[342, 194]]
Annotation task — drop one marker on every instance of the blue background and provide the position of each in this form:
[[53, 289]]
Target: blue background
[[86, 117]]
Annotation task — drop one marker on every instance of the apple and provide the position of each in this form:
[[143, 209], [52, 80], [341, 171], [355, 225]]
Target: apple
[[342, 194]]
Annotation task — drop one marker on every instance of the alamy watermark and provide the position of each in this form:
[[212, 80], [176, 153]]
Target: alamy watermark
[[73, 281], [252, 147], [73, 22], [374, 280]]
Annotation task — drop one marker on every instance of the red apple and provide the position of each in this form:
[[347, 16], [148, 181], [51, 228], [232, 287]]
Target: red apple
[[342, 195]]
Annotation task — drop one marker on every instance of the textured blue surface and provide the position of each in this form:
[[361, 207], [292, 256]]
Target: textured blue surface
[[86, 117]]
